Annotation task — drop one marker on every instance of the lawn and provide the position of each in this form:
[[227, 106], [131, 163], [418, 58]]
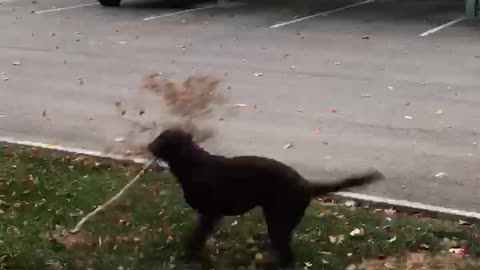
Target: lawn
[[43, 194]]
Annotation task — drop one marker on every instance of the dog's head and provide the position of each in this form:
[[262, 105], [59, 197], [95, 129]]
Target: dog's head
[[170, 143]]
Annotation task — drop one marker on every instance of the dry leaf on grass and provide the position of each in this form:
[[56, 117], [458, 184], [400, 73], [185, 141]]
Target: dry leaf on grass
[[357, 232], [72, 240], [337, 239]]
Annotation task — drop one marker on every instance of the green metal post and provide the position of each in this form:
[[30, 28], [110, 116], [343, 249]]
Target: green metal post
[[472, 8]]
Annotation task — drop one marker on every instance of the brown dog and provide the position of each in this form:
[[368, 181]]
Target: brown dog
[[217, 186]]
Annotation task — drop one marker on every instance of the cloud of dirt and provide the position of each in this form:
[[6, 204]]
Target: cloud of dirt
[[192, 103]]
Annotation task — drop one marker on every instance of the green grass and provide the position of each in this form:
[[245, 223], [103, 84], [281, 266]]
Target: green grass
[[43, 195]]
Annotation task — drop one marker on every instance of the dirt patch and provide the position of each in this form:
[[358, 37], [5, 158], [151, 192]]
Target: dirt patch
[[417, 261]]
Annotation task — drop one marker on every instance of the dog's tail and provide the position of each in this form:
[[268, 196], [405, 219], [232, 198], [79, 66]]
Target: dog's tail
[[319, 189]]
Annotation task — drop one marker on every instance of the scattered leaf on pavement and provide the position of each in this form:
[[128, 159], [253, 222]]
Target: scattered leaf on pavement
[[288, 145], [441, 175]]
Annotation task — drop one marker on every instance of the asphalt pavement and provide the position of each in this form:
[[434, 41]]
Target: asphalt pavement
[[354, 85]]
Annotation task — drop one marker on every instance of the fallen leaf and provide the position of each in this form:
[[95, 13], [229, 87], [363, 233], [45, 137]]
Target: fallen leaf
[[288, 145], [350, 203], [441, 175], [458, 251], [119, 139], [393, 239], [390, 212], [351, 267], [425, 246], [337, 239], [439, 111], [357, 232], [333, 110], [31, 182], [463, 222], [259, 257], [389, 265]]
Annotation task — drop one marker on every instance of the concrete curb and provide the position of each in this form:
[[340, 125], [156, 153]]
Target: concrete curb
[[361, 199]]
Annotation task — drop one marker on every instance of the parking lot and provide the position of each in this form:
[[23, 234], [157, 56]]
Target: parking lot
[[351, 84]]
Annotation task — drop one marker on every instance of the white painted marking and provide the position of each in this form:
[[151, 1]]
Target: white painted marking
[[81, 151], [325, 13], [438, 28], [409, 204], [65, 8], [352, 195], [178, 13], [229, 4]]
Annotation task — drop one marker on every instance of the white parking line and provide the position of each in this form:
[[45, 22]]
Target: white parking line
[[66, 8], [438, 28], [325, 13], [351, 195], [178, 13]]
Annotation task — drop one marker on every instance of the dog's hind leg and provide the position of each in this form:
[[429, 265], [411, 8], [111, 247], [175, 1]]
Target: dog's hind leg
[[281, 222], [206, 225]]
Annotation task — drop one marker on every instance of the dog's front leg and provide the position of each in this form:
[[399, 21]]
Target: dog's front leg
[[206, 225]]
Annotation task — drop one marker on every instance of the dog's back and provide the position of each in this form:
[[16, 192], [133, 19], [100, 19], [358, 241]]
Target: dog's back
[[232, 186]]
